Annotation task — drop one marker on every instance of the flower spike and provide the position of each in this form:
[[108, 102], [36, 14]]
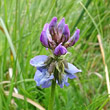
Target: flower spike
[[55, 69]]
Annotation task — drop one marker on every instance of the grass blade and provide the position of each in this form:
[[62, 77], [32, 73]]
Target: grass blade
[[12, 48]]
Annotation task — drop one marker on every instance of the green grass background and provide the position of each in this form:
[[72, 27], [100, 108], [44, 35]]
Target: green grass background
[[23, 22]]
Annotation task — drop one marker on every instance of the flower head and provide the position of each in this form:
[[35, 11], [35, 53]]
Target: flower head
[[57, 38], [54, 35]]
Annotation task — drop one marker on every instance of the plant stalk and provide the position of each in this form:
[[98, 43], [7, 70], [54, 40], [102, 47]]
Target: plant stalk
[[52, 95]]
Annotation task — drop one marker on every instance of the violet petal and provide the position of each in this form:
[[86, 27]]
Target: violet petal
[[61, 27], [44, 39], [46, 27], [60, 50], [53, 25], [66, 33], [73, 39]]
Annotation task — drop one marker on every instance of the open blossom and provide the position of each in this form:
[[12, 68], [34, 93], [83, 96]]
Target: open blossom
[[44, 78], [57, 38]]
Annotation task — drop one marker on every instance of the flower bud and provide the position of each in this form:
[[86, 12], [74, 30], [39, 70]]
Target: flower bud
[[53, 26], [73, 39], [60, 50], [46, 26], [60, 28], [44, 39], [66, 33]]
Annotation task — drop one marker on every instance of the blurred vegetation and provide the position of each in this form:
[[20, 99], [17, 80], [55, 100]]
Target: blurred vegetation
[[23, 22]]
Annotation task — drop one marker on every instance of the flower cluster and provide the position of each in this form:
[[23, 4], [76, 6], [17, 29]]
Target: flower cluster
[[57, 38]]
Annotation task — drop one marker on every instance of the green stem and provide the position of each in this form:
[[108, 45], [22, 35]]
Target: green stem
[[52, 95]]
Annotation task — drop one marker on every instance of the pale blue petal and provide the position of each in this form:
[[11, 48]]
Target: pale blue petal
[[38, 76], [46, 84], [38, 61], [70, 76], [43, 78], [72, 69], [47, 77], [63, 81]]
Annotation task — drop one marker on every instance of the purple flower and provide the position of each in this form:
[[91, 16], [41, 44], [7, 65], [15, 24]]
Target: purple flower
[[53, 35], [57, 38]]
